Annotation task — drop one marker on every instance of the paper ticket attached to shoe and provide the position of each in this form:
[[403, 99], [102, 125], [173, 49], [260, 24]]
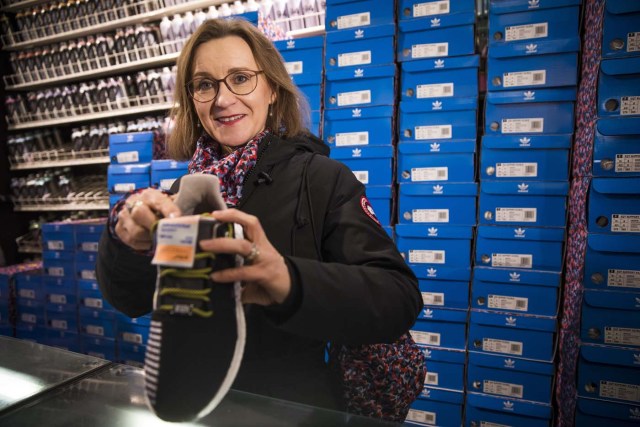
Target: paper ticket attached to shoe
[[176, 240]]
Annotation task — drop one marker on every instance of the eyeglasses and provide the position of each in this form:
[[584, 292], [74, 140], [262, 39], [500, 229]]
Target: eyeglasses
[[205, 89]]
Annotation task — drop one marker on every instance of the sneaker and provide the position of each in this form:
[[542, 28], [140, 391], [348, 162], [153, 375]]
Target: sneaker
[[197, 334]]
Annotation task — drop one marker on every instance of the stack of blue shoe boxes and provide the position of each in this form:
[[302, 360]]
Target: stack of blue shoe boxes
[[304, 60], [609, 364], [532, 72], [6, 284], [131, 155], [360, 95], [165, 172], [437, 189]]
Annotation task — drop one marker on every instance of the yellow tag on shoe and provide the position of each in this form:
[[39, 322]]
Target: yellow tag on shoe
[[176, 240]]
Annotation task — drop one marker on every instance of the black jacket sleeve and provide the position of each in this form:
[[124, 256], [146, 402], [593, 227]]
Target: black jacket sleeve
[[363, 291]]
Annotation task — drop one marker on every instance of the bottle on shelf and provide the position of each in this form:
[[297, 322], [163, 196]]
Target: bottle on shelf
[[212, 13], [225, 10]]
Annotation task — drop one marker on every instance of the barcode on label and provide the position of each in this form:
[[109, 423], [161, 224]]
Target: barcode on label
[[365, 97], [530, 169], [443, 49], [364, 19], [445, 131], [438, 256], [540, 29], [529, 214], [362, 176], [516, 390], [438, 299], [448, 89], [521, 304], [434, 339], [538, 77], [431, 379], [536, 124], [366, 57], [525, 262], [515, 348], [443, 215], [444, 7]]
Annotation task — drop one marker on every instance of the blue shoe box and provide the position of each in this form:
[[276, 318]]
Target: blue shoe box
[[512, 6], [442, 328], [60, 290], [303, 59], [533, 32], [58, 236], [142, 320], [313, 94], [506, 158], [619, 87], [371, 46], [62, 317], [417, 41], [520, 248], [445, 370], [345, 127], [131, 333], [609, 373], [86, 265], [381, 199], [91, 300], [527, 203], [316, 122], [530, 111], [416, 164], [64, 340], [510, 377], [532, 72], [371, 165], [445, 293], [29, 286], [621, 29], [87, 235], [616, 155], [436, 412], [345, 14], [456, 87], [131, 354], [102, 348], [627, 125], [612, 262], [611, 318], [4, 312], [29, 332], [125, 178], [518, 335], [421, 123], [98, 327], [446, 248], [597, 413], [59, 264], [360, 87], [165, 172], [516, 297], [443, 13], [128, 148], [614, 205], [453, 204], [30, 312], [6, 330], [483, 409]]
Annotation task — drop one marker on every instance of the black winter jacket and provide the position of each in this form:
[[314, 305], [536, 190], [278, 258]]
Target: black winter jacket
[[350, 284]]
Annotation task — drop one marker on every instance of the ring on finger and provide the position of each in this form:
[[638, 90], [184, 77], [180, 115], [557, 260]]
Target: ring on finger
[[132, 206], [253, 255]]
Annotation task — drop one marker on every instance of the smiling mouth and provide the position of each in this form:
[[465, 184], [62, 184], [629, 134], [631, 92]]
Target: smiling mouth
[[230, 119]]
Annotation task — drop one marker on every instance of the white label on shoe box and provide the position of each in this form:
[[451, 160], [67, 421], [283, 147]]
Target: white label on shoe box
[[433, 132], [429, 50], [351, 98], [623, 278], [490, 424], [535, 125], [440, 90], [27, 293], [28, 318], [426, 338], [88, 274], [294, 67], [131, 337], [433, 298], [58, 298], [355, 20], [431, 8], [503, 389], [516, 214], [627, 163], [362, 176], [89, 247], [620, 391], [95, 330], [525, 32], [629, 105], [55, 271], [165, 184], [624, 336], [421, 417], [504, 170], [512, 260], [419, 256], [502, 346], [431, 378], [128, 157], [93, 302], [176, 241], [59, 324], [430, 174], [430, 215], [354, 58], [524, 78], [124, 187], [508, 303], [625, 223], [352, 138], [633, 42], [55, 245]]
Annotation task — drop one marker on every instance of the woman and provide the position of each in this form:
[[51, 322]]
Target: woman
[[322, 269]]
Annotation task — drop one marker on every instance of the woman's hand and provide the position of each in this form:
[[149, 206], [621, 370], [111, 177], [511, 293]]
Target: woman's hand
[[266, 277], [140, 212]]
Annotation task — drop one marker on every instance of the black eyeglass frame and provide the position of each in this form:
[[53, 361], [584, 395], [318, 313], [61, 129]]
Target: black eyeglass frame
[[223, 80]]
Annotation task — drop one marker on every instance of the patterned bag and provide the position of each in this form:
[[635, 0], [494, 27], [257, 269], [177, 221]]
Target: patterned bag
[[380, 380]]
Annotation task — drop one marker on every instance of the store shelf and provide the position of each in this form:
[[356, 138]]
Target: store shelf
[[307, 32], [63, 207], [152, 15], [22, 5], [61, 163]]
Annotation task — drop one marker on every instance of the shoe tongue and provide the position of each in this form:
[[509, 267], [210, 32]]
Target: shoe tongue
[[199, 193]]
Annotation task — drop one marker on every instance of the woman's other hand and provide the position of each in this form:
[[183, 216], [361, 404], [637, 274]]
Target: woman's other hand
[[141, 210], [265, 275]]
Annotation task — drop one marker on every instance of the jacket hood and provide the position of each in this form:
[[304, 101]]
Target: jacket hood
[[284, 148]]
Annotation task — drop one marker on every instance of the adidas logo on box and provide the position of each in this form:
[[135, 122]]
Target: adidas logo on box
[[534, 4], [529, 95], [434, 146], [510, 321], [356, 112], [514, 277], [358, 73], [359, 34], [436, 105], [356, 152], [523, 188], [433, 231], [438, 189], [291, 44], [438, 63], [531, 48], [435, 22], [509, 363], [525, 142], [519, 232], [432, 272]]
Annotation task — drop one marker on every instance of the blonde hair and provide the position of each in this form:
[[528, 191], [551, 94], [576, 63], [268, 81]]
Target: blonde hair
[[289, 112]]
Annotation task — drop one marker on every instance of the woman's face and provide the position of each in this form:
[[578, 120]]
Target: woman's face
[[231, 119]]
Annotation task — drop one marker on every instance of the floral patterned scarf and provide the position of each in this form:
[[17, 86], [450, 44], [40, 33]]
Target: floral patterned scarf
[[230, 169]]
